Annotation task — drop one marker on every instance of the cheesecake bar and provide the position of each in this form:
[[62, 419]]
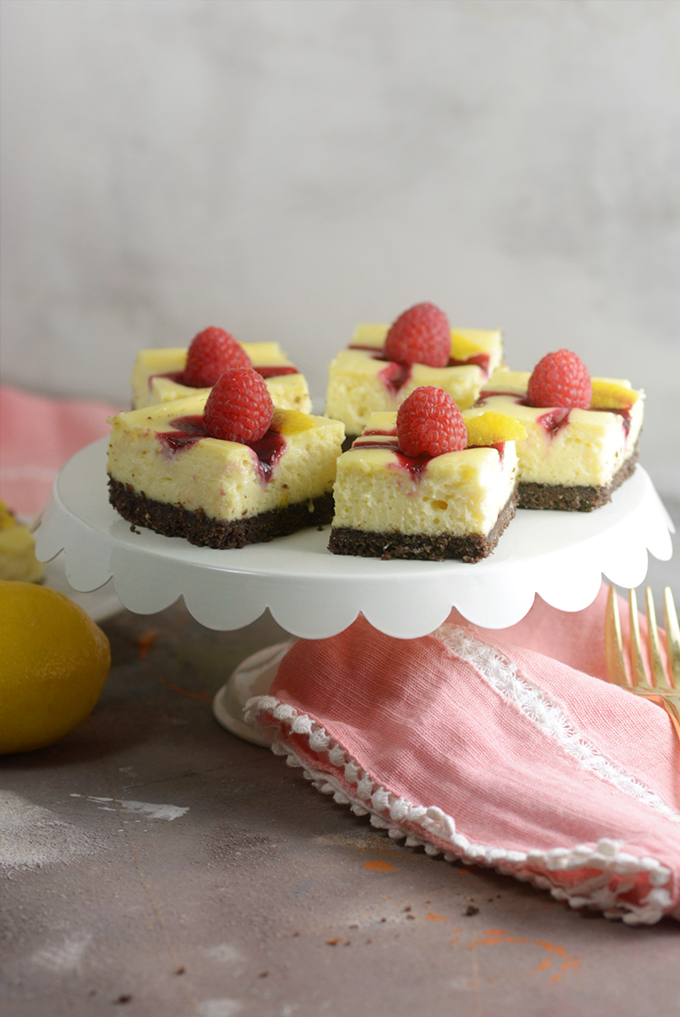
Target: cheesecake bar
[[17, 549], [455, 505], [571, 458], [168, 473], [157, 377], [362, 381]]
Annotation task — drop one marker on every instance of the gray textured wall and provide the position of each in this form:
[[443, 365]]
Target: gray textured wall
[[287, 168]]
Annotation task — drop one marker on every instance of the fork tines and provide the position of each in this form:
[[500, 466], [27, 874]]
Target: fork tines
[[650, 675]]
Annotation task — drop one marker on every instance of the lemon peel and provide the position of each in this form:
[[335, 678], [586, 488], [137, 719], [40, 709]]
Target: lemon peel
[[609, 395], [290, 422], [54, 661], [464, 348], [491, 428]]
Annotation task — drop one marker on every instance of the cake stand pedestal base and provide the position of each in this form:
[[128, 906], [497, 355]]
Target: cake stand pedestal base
[[252, 677]]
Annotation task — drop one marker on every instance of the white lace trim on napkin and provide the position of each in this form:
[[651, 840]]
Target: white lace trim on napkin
[[548, 715], [389, 812]]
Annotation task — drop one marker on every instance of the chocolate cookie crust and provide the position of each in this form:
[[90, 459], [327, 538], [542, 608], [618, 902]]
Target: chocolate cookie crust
[[200, 529], [574, 499], [471, 547], [348, 441]]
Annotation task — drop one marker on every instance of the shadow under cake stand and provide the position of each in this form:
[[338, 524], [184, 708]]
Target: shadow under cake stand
[[560, 556]]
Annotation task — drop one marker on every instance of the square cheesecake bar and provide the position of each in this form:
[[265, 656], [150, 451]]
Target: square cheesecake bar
[[571, 458], [166, 472], [157, 377], [390, 505], [361, 381]]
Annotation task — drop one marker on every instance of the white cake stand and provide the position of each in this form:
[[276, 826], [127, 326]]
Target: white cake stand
[[313, 594]]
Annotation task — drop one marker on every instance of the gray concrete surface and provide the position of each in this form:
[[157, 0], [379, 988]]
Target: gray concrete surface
[[154, 863]]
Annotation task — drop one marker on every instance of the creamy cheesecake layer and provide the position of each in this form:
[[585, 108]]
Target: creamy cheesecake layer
[[155, 451], [567, 448], [359, 384], [379, 490], [155, 377]]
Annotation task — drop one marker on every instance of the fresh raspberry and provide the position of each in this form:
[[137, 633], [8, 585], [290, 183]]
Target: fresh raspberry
[[560, 379], [239, 408], [421, 335], [211, 353], [429, 421]]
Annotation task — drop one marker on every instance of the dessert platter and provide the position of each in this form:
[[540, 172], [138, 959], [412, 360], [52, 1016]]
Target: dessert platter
[[155, 546], [314, 594]]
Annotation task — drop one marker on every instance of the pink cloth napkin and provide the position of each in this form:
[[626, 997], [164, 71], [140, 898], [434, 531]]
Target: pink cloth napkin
[[37, 436], [501, 748]]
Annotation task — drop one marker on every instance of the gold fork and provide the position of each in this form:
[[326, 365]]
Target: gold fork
[[663, 689]]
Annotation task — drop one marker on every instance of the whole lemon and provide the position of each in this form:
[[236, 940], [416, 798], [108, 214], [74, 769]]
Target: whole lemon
[[54, 661]]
